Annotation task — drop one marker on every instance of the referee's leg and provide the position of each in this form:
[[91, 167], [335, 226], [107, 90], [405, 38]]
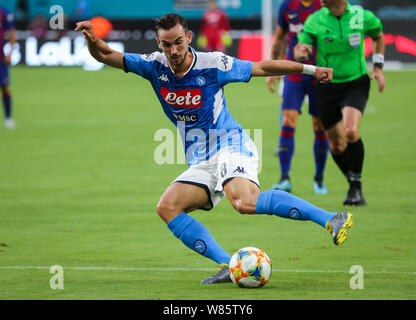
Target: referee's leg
[[351, 118], [347, 150]]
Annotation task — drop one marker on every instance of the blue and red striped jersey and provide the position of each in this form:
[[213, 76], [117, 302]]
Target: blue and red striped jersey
[[6, 23], [291, 17]]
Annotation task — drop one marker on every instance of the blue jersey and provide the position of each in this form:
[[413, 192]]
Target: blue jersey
[[6, 23], [195, 103]]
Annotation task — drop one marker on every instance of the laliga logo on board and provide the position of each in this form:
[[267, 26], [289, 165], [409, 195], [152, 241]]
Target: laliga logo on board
[[182, 98], [59, 53]]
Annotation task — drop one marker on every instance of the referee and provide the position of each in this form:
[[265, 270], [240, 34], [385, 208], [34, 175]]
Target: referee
[[337, 31]]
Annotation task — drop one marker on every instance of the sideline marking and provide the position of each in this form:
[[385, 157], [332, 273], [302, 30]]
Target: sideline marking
[[193, 269]]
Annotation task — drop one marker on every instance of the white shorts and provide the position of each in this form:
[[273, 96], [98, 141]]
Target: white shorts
[[213, 174]]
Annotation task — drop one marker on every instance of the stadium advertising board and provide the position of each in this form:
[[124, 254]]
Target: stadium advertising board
[[72, 50]]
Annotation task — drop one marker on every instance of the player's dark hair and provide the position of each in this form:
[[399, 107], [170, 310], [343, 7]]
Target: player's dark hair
[[169, 21]]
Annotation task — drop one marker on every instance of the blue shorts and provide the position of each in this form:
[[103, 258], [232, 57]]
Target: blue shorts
[[294, 93], [4, 74]]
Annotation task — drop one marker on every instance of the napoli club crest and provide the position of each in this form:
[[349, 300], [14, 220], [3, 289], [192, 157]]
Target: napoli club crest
[[200, 246], [201, 81], [294, 214]]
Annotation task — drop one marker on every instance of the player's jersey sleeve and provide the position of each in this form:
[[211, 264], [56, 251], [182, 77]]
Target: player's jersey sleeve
[[140, 64], [281, 17], [310, 30], [9, 21], [233, 70], [372, 24]]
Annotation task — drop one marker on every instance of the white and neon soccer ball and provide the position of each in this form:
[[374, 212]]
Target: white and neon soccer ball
[[250, 268]]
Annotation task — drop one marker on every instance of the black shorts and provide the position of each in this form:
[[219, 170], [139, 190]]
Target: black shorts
[[333, 97]]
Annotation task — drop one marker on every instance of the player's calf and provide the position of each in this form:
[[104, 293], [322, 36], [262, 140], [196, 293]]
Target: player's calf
[[179, 198]]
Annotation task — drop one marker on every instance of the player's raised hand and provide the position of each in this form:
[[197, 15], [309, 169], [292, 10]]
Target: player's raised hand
[[271, 83], [324, 75], [302, 52], [379, 76], [87, 30], [98, 48]]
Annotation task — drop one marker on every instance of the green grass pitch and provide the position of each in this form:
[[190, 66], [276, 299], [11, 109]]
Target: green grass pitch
[[79, 186]]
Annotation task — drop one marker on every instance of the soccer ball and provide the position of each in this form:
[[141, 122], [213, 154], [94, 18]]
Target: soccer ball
[[250, 268]]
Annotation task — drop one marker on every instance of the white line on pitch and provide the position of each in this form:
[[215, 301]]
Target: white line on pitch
[[195, 269]]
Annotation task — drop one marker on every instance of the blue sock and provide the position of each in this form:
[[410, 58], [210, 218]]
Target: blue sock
[[321, 150], [286, 205], [7, 104], [286, 150], [196, 237]]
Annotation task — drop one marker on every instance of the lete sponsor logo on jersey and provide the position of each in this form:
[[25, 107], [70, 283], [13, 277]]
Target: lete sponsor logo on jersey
[[190, 98]]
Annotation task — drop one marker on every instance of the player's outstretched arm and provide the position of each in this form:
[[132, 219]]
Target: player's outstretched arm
[[98, 48], [285, 67]]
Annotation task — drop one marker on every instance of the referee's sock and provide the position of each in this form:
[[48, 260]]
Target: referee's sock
[[286, 205], [343, 161], [356, 159], [196, 237]]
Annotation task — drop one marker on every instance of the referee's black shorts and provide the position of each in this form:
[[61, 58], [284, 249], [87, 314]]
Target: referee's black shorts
[[332, 97]]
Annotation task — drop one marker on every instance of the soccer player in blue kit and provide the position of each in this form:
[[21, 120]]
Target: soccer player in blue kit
[[292, 15], [189, 86], [6, 24]]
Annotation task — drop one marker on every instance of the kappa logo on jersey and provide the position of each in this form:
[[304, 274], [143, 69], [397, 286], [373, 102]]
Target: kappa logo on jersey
[[225, 63], [224, 60], [148, 56], [240, 170], [164, 78], [190, 98]]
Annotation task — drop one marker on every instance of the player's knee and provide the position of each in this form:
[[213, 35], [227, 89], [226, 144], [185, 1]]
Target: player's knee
[[244, 206], [166, 210], [5, 91], [289, 121], [338, 146], [317, 124], [351, 133]]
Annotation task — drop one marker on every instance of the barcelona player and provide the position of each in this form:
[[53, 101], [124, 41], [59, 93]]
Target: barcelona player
[[6, 25], [221, 156], [292, 16]]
